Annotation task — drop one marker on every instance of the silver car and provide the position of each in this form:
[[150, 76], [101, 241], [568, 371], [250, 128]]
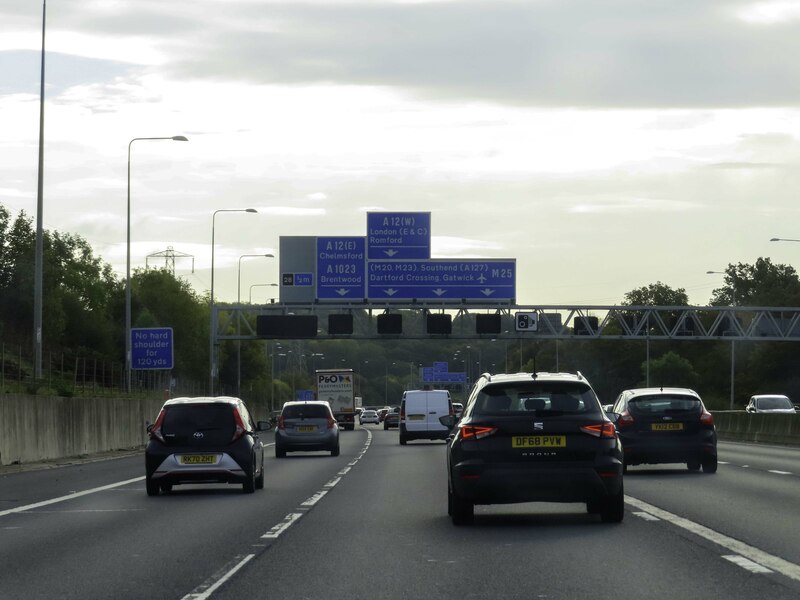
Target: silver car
[[306, 426], [770, 403]]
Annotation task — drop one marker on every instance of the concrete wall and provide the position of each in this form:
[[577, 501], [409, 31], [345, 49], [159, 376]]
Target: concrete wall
[[34, 428], [741, 426]]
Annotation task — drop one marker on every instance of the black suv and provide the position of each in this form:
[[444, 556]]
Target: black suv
[[204, 440], [534, 437], [666, 425]]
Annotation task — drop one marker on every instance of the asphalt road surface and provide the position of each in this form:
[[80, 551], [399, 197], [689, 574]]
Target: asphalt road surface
[[372, 523]]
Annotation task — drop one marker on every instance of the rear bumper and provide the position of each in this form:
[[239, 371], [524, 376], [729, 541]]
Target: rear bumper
[[655, 450], [507, 483], [170, 470], [423, 434], [323, 441]]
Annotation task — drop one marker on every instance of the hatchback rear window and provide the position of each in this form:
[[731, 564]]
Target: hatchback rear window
[[305, 411], [539, 398], [214, 421], [664, 404]]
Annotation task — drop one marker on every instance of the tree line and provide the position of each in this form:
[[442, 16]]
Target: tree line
[[84, 315]]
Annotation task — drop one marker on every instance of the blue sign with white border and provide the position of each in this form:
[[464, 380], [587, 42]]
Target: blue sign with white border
[[398, 235], [341, 268], [493, 279], [151, 348]]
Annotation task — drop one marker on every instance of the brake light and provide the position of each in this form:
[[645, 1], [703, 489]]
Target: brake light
[[477, 432], [155, 430], [403, 412], [602, 430], [707, 418], [281, 423], [240, 427], [331, 422], [625, 420]]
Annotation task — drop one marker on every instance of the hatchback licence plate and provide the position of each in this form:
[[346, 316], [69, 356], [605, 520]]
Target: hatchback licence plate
[[539, 441], [198, 459], [306, 428], [666, 426]]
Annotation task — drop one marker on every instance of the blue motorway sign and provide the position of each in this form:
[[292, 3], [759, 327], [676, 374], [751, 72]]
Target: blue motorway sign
[[398, 236], [442, 280], [340, 268], [151, 348]]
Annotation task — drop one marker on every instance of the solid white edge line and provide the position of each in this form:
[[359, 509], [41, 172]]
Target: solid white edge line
[[207, 593], [779, 565], [102, 488]]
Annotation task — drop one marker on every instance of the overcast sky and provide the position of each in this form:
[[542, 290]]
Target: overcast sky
[[603, 145]]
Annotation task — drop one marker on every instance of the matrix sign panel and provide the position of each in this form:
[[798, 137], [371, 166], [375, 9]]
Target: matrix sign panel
[[398, 236], [341, 268], [151, 348], [442, 280]]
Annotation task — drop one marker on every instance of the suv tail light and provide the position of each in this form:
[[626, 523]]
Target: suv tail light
[[155, 430], [467, 432], [240, 427], [707, 418], [625, 420], [602, 430]]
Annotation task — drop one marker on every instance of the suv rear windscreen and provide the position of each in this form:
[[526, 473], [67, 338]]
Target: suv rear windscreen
[[305, 411], [664, 405], [199, 424], [539, 398]]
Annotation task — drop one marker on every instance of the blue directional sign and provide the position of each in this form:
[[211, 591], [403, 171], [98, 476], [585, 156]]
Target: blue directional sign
[[452, 280], [151, 348], [341, 268], [398, 235]]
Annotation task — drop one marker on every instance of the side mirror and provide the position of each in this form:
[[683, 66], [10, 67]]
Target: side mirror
[[612, 416], [749, 409], [263, 426], [448, 421]]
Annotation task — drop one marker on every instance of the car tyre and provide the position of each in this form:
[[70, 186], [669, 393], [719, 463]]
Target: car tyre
[[461, 511], [693, 465], [335, 450], [152, 487], [385, 427], [710, 465], [594, 507], [402, 440], [279, 452], [166, 488], [249, 484], [612, 508], [260, 478]]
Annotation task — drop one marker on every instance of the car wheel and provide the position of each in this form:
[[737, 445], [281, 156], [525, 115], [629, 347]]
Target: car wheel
[[279, 452], [335, 450], [249, 485], [624, 466], [402, 440], [462, 511], [612, 508], [260, 478], [166, 488], [594, 507], [152, 487], [693, 465], [710, 465], [385, 427]]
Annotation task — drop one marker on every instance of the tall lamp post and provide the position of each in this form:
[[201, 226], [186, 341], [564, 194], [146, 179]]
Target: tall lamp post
[[212, 334], [239, 319], [250, 301], [174, 138], [733, 341]]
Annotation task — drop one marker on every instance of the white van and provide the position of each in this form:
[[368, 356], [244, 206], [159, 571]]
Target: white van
[[419, 415]]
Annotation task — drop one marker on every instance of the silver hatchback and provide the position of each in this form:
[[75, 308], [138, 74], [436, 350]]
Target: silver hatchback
[[306, 426]]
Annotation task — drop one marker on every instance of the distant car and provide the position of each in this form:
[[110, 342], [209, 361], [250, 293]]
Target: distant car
[[533, 437], [204, 440], [666, 425], [368, 416], [392, 418], [306, 426], [382, 413], [770, 403]]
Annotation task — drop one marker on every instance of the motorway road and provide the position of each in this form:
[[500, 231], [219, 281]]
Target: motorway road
[[372, 523]]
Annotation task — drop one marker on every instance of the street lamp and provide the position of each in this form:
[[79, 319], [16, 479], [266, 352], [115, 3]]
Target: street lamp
[[174, 138], [239, 320], [733, 341], [212, 334], [259, 285]]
